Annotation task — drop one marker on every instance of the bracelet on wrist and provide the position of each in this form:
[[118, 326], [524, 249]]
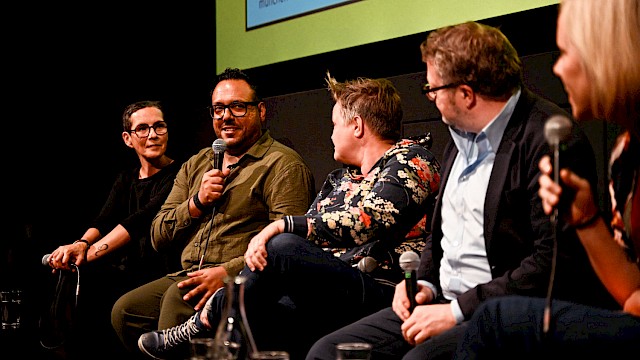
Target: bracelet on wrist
[[83, 241], [589, 222], [86, 249], [202, 207]]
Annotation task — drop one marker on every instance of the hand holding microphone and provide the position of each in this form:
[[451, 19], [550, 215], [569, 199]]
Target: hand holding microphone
[[45, 262], [212, 186], [409, 263], [556, 130], [219, 146]]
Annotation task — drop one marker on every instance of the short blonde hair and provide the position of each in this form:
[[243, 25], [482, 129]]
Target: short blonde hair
[[606, 35], [377, 101]]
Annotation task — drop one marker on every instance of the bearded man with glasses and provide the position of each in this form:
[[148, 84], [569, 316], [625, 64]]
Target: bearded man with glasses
[[211, 214]]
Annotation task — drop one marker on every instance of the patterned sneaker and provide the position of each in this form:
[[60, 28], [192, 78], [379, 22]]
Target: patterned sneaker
[[171, 343]]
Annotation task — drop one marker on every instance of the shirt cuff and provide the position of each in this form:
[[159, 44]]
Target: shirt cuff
[[296, 225], [457, 312], [430, 286]]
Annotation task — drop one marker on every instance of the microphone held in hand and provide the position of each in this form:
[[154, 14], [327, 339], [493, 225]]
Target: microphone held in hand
[[45, 259], [409, 263], [219, 146], [556, 130]]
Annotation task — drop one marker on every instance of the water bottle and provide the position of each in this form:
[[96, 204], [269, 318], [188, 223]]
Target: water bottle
[[233, 339]]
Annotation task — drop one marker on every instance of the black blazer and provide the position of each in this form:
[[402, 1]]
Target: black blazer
[[518, 234]]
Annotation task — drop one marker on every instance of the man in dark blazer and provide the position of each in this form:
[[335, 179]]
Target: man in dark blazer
[[490, 236]]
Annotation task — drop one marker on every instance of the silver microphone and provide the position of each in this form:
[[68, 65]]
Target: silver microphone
[[409, 263], [367, 264], [556, 130], [219, 146]]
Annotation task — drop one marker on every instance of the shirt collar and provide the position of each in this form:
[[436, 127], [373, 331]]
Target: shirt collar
[[493, 131]]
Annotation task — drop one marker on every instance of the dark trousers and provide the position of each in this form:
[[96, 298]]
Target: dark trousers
[[511, 328], [382, 330], [302, 294]]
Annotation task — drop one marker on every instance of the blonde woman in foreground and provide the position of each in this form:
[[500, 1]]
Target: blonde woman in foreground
[[599, 42]]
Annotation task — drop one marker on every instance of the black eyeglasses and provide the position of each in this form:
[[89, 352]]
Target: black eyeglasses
[[237, 108], [430, 92], [142, 130]]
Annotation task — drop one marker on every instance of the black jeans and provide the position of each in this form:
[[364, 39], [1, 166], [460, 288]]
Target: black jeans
[[382, 330], [302, 294]]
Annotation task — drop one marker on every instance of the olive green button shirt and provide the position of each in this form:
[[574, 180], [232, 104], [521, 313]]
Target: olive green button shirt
[[270, 181]]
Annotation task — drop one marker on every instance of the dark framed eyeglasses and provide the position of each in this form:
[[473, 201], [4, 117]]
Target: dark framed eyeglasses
[[237, 108], [431, 92], [142, 130]]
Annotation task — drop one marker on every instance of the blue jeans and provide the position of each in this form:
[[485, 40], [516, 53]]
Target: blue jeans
[[303, 293], [511, 327]]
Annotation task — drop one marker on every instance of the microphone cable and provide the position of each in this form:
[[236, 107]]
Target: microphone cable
[[206, 243], [58, 308], [546, 319], [556, 130]]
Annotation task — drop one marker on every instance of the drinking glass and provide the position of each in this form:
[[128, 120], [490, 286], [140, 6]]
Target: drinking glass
[[353, 351], [201, 348], [10, 308], [270, 355]]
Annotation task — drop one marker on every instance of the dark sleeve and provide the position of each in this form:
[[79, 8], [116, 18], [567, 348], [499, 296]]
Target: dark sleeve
[[138, 222], [115, 207], [520, 249]]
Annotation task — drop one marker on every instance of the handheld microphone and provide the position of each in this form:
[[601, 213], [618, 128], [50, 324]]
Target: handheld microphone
[[409, 263], [556, 130], [367, 264], [219, 146], [45, 262]]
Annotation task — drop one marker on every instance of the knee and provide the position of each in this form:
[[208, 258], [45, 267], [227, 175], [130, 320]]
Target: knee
[[283, 244], [117, 312], [322, 349], [175, 295]]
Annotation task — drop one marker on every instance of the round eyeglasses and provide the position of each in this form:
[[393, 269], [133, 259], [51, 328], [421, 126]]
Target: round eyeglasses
[[237, 109], [431, 92], [142, 130]]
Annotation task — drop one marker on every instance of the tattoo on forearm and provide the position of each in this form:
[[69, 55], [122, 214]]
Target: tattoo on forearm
[[100, 249]]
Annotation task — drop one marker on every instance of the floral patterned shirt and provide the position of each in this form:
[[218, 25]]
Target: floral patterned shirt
[[382, 214], [624, 175]]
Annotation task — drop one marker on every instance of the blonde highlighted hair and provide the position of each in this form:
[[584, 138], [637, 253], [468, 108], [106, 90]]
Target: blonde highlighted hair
[[376, 101], [606, 35]]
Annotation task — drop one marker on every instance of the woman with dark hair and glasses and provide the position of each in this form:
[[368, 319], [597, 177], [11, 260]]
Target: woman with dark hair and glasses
[[115, 254]]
